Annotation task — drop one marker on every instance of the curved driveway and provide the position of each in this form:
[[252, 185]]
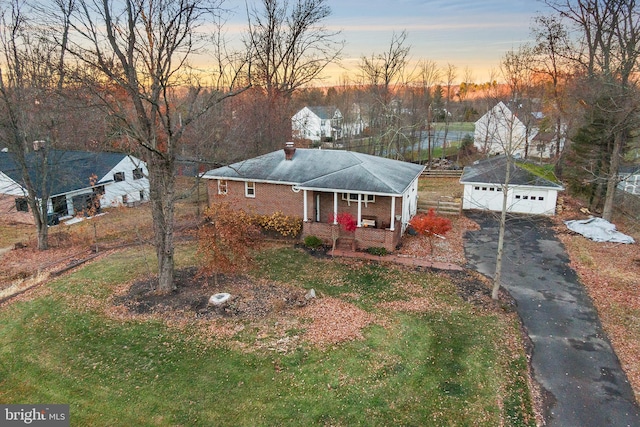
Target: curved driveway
[[573, 361]]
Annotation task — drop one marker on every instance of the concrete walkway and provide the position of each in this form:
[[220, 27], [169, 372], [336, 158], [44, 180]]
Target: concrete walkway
[[573, 361]]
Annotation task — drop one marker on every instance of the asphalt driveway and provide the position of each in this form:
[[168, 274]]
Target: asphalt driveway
[[573, 361]]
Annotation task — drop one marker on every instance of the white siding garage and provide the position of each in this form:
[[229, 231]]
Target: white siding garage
[[527, 193]]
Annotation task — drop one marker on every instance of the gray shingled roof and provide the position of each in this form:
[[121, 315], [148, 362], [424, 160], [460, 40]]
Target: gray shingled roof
[[68, 170], [493, 171], [325, 113], [327, 170]]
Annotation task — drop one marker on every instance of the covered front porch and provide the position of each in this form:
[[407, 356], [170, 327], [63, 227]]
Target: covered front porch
[[379, 218], [363, 237]]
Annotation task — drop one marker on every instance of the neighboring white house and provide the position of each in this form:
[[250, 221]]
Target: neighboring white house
[[317, 124], [528, 193], [352, 124], [500, 131], [630, 179], [76, 180]]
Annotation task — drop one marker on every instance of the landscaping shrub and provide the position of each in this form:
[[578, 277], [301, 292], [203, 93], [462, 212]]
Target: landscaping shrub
[[377, 251], [286, 226], [313, 242]]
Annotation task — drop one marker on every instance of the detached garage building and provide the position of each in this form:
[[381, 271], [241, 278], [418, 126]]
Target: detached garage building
[[528, 193]]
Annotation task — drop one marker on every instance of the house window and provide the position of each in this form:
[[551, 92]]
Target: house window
[[353, 197], [492, 189], [250, 189], [118, 176], [476, 188], [222, 186], [540, 198], [141, 194], [518, 197], [22, 205], [484, 188], [137, 173]]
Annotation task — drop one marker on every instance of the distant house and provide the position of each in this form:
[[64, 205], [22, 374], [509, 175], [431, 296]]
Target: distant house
[[500, 130], [528, 193], [629, 177], [317, 124], [76, 179], [544, 145], [317, 185], [352, 124]]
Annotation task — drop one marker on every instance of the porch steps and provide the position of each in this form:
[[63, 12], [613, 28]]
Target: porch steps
[[345, 243], [442, 206]]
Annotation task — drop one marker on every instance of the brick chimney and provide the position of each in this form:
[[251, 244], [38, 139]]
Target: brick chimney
[[289, 150]]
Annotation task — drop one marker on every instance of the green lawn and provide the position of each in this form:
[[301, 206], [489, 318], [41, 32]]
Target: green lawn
[[448, 365], [457, 126]]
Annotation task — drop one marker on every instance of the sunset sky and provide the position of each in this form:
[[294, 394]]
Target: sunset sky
[[466, 33]]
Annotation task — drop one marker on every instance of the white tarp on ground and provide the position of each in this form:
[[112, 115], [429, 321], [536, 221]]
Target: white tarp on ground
[[598, 230]]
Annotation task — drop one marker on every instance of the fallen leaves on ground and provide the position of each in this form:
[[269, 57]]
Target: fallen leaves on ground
[[334, 321], [610, 273]]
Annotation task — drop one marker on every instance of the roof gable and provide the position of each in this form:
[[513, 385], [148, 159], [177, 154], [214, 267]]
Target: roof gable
[[325, 113], [499, 115], [493, 171], [325, 170]]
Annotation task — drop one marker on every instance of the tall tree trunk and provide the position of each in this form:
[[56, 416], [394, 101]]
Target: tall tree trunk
[[612, 180], [43, 237], [162, 190], [497, 277]]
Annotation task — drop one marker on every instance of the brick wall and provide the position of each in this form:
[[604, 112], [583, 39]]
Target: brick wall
[[269, 198], [365, 237]]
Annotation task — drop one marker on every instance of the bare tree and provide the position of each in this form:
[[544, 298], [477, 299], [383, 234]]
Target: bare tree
[[289, 44], [428, 76], [552, 51], [382, 73], [135, 54], [518, 74], [608, 32], [289, 47], [450, 75], [31, 104], [511, 142]]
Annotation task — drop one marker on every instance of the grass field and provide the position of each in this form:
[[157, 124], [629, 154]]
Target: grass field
[[451, 363], [457, 126]]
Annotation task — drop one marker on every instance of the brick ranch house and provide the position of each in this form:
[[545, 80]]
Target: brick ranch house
[[317, 185]]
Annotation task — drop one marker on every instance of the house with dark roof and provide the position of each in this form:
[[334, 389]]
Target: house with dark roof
[[317, 124], [75, 180], [317, 185], [484, 186]]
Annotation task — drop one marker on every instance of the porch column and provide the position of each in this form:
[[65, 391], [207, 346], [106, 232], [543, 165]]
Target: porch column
[[305, 218], [393, 214], [335, 208], [359, 210]]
